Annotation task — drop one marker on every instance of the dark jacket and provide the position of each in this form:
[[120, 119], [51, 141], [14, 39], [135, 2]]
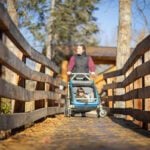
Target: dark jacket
[[81, 64]]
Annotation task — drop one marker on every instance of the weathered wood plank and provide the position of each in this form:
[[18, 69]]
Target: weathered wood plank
[[60, 101], [137, 73], [11, 121], [113, 74], [54, 110], [9, 28], [115, 98], [62, 92], [112, 86], [8, 59], [140, 49], [137, 114], [134, 94], [41, 59], [8, 90], [19, 119]]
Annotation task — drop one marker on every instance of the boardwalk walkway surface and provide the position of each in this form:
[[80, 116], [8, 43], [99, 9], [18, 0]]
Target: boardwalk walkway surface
[[89, 133]]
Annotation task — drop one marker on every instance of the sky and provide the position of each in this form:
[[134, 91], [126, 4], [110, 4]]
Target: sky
[[108, 17], [107, 20]]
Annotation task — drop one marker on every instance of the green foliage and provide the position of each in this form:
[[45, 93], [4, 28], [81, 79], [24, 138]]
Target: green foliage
[[73, 20], [5, 108], [32, 16]]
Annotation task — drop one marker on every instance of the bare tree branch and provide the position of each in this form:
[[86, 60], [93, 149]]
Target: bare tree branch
[[142, 13]]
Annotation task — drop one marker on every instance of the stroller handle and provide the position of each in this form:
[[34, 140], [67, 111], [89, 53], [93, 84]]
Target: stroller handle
[[74, 75], [80, 73]]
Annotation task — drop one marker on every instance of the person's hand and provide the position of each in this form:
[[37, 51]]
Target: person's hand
[[69, 73], [61, 87], [92, 73]]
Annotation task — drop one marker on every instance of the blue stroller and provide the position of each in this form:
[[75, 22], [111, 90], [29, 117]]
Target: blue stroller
[[82, 96]]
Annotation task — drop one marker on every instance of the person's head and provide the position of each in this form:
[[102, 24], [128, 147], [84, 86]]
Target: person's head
[[80, 92], [80, 49]]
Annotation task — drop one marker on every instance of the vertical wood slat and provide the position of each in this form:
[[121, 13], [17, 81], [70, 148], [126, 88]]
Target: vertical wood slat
[[1, 36], [146, 81], [20, 106], [144, 125]]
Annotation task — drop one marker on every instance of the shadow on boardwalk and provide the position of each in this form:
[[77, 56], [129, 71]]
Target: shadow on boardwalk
[[78, 133], [130, 125]]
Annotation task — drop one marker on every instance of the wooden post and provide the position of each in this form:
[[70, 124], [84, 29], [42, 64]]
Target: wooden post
[[147, 83], [64, 67], [20, 106], [3, 134], [128, 88], [40, 86], [144, 125], [137, 85], [49, 102], [113, 93], [1, 36], [107, 94]]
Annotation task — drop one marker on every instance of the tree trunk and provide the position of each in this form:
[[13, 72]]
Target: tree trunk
[[49, 51], [6, 73], [49, 30], [124, 34], [123, 45]]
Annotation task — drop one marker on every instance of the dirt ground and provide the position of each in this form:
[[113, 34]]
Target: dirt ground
[[79, 133]]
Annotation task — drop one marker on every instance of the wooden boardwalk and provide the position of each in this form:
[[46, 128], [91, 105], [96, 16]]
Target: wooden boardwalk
[[46, 98], [78, 133]]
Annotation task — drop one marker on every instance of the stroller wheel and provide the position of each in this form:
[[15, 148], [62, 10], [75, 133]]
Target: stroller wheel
[[83, 114], [72, 114], [103, 113]]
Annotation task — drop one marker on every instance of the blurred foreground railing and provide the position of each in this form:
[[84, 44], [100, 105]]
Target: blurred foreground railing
[[30, 104]]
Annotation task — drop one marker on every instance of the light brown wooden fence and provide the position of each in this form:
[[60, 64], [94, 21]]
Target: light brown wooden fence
[[45, 102], [136, 85]]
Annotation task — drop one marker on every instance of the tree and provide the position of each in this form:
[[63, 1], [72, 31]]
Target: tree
[[33, 17], [74, 22], [124, 37]]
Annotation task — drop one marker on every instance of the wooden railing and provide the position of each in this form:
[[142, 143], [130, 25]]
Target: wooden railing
[[99, 80], [44, 102], [135, 85]]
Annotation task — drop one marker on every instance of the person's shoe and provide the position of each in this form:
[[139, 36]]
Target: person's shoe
[[83, 114]]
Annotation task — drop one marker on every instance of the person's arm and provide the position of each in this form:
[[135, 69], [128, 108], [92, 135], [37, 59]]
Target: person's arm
[[91, 65], [71, 65]]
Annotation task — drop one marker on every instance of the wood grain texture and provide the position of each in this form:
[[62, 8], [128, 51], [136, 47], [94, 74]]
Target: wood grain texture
[[8, 59], [8, 90], [11, 121], [137, 114]]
